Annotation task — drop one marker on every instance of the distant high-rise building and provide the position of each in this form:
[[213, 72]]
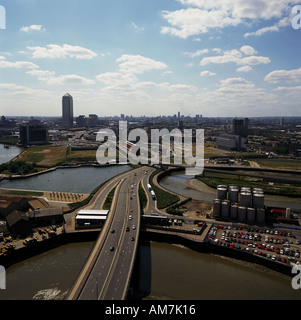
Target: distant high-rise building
[[240, 127], [33, 133], [67, 111]]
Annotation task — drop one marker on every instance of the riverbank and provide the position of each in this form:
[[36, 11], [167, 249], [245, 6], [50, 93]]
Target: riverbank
[[189, 241]]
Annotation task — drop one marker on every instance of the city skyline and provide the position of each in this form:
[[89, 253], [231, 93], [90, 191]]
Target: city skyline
[[228, 59]]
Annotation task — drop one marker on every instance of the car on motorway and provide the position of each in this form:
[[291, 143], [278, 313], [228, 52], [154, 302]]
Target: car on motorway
[[132, 239], [127, 229], [130, 217], [133, 227], [112, 231], [112, 248]]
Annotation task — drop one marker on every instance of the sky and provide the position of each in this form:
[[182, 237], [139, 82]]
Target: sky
[[222, 58]]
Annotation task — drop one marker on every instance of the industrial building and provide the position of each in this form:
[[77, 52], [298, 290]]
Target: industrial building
[[239, 204], [91, 218]]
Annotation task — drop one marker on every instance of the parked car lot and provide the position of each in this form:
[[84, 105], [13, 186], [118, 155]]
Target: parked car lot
[[273, 244]]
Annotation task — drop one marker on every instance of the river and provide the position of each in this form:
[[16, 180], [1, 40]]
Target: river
[[165, 271], [7, 154], [77, 180]]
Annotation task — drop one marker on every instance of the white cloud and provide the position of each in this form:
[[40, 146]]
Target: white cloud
[[70, 79], [203, 15], [274, 28], [33, 27], [235, 56], [284, 76], [193, 21], [55, 51], [138, 64], [50, 78], [17, 64], [207, 73], [196, 53], [248, 50], [244, 69]]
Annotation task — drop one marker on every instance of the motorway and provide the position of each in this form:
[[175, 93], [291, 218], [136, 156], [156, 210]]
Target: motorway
[[108, 269]]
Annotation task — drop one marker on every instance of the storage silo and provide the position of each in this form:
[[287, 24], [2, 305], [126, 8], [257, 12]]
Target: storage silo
[[287, 213], [222, 192], [225, 211], [216, 207], [245, 199], [258, 200], [251, 215], [233, 194], [260, 216], [233, 211], [257, 190], [242, 214]]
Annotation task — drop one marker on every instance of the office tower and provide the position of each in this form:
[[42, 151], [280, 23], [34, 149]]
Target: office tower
[[240, 127], [67, 111], [33, 133]]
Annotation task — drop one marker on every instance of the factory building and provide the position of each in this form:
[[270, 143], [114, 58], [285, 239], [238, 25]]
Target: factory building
[[244, 204]]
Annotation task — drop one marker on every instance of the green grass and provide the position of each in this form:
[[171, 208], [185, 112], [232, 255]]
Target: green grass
[[164, 198], [281, 163], [108, 202], [281, 189], [142, 196]]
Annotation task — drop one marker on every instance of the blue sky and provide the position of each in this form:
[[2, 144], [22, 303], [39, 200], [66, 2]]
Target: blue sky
[[141, 57]]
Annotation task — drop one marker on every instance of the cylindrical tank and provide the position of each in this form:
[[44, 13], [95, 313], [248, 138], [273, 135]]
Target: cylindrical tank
[[225, 208], [222, 192], [245, 199], [242, 214], [251, 215], [258, 200], [233, 211], [233, 194], [216, 207], [257, 190], [245, 189], [260, 216], [288, 212]]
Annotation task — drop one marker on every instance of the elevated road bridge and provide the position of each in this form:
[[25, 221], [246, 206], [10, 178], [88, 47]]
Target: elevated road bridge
[[107, 272]]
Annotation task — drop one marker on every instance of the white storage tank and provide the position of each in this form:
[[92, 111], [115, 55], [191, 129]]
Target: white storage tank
[[225, 208], [242, 214], [260, 216], [245, 199], [222, 192], [257, 190], [287, 213], [216, 207], [251, 215], [233, 194], [233, 211], [258, 200]]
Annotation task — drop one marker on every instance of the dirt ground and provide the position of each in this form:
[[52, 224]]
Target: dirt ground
[[194, 206]]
